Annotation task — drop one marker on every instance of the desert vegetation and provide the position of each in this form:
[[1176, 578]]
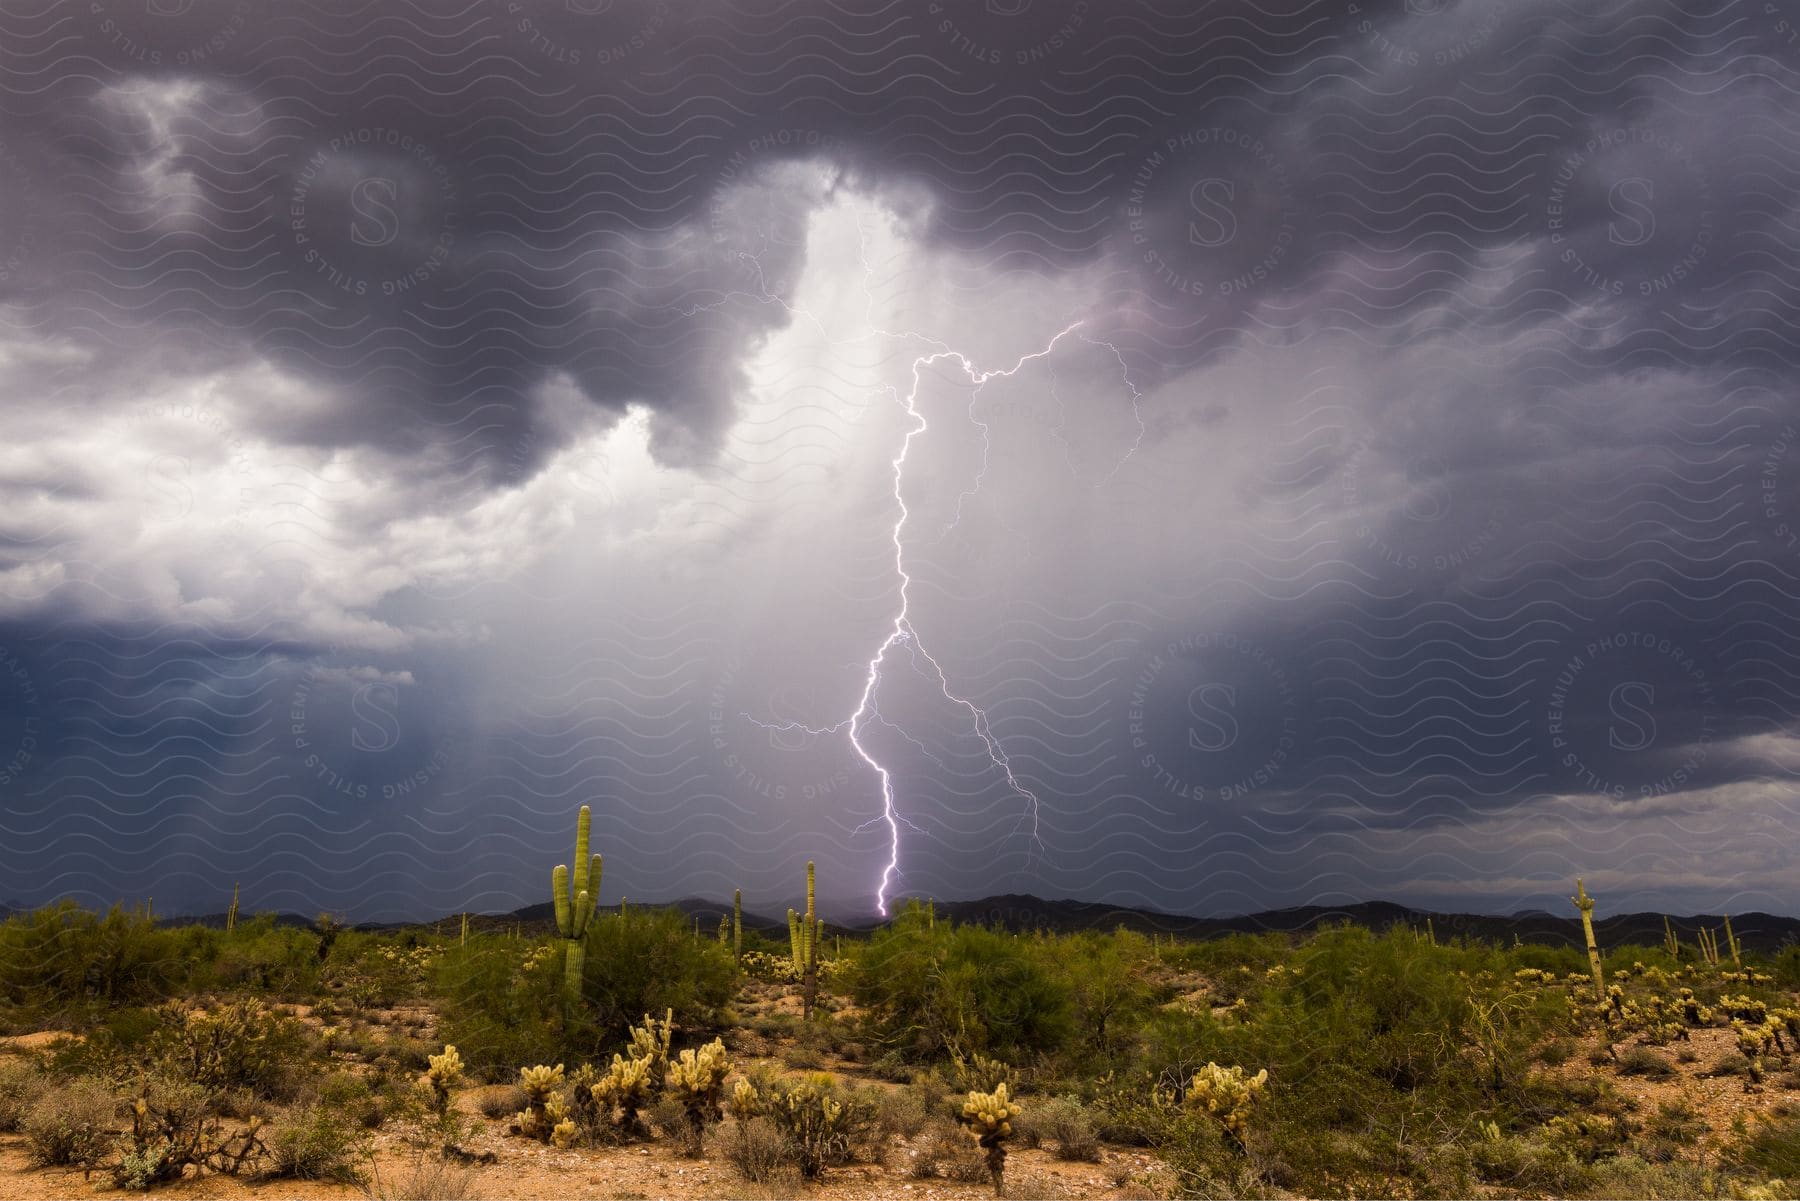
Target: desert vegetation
[[626, 1051]]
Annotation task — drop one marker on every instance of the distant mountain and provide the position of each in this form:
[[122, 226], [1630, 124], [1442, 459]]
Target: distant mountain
[[1017, 912], [1757, 931]]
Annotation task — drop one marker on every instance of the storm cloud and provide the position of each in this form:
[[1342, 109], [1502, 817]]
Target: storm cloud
[[1340, 450]]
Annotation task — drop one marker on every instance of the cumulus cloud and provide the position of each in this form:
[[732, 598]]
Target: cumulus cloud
[[1345, 452]]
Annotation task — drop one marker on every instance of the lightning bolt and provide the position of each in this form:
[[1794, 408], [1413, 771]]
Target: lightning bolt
[[901, 633]]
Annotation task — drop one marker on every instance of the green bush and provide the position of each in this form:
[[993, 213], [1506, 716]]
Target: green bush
[[21, 1084], [63, 964], [1771, 1150], [71, 1126], [931, 989], [504, 1005], [317, 1142], [243, 1046]]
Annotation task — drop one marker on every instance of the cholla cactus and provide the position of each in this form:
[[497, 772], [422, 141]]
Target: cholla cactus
[[542, 1091], [650, 1042], [1692, 1011], [445, 1071], [1227, 1095], [988, 1117], [1754, 1040], [697, 1079], [746, 1102], [625, 1092], [819, 1125]]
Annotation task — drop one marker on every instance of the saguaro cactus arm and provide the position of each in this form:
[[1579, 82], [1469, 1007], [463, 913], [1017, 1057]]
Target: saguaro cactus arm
[[576, 901], [1585, 903]]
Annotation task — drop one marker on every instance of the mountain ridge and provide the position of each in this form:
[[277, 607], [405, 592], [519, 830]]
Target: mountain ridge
[[1023, 912]]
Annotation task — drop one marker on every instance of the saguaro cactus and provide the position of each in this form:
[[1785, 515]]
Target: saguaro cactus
[[804, 936], [1709, 946], [1585, 903], [1732, 942], [1671, 944], [737, 925], [231, 914], [576, 903]]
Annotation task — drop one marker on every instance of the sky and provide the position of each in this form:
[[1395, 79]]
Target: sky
[[1207, 457]]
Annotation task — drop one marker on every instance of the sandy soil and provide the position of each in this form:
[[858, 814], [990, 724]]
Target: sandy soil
[[524, 1169]]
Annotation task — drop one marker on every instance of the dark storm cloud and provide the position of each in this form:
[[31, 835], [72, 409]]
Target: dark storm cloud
[[1495, 298]]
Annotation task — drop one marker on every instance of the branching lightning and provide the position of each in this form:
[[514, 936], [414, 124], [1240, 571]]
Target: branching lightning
[[901, 633]]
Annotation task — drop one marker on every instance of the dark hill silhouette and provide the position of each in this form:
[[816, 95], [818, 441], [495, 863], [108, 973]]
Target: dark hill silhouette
[[1755, 931]]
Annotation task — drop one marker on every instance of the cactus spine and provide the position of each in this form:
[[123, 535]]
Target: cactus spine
[[576, 903], [737, 925], [1585, 903], [231, 914], [1732, 942]]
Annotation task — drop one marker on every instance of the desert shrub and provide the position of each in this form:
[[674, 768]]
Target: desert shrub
[[1642, 1061], [501, 1101], [824, 1126], [71, 1126], [21, 1084], [947, 1152], [1555, 1052], [65, 964], [243, 1046], [930, 989], [173, 1127], [891, 1066], [1112, 990], [1367, 1039], [504, 1000], [317, 1142], [1731, 1063], [759, 1152], [900, 1113], [671, 1117], [1771, 1150], [1064, 1124], [427, 1177], [268, 959]]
